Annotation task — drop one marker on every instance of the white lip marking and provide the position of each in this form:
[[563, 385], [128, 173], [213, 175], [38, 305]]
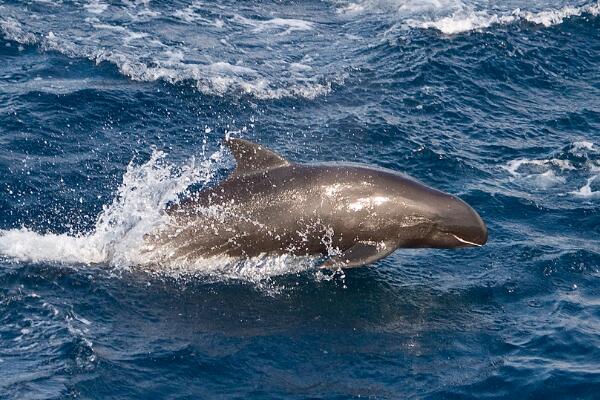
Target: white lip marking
[[466, 241]]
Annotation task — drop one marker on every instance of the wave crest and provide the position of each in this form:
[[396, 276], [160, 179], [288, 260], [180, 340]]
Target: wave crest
[[247, 60], [469, 20]]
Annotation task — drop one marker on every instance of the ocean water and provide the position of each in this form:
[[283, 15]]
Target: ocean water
[[111, 110]]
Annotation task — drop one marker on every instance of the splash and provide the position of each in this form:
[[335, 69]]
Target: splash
[[118, 238], [119, 229]]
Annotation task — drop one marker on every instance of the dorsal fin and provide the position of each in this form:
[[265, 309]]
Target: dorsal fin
[[252, 158]]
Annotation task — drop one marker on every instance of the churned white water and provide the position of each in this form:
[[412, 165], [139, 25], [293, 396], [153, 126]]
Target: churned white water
[[117, 238], [457, 16], [128, 35], [469, 19], [564, 172], [137, 210]]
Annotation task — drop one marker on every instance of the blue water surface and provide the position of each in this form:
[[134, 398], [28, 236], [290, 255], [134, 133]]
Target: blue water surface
[[109, 110]]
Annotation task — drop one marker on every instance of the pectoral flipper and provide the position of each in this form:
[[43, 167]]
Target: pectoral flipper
[[361, 253]]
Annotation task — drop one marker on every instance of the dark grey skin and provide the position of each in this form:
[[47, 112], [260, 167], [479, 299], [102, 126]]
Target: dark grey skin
[[353, 214]]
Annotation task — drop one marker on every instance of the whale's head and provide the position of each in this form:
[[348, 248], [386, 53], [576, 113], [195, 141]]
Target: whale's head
[[426, 217], [450, 223]]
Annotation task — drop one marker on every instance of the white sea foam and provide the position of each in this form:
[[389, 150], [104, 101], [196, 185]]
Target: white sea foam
[[583, 145], [400, 7], [460, 22], [118, 238], [289, 24], [283, 25], [146, 55], [192, 14], [120, 228], [514, 166], [217, 78], [26, 245], [13, 30], [467, 19], [540, 173], [96, 7], [456, 16], [586, 190], [559, 172]]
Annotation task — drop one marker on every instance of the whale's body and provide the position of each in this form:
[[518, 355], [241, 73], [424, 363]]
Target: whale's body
[[353, 213]]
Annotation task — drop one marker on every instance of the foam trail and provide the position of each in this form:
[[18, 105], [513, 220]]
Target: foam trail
[[26, 245]]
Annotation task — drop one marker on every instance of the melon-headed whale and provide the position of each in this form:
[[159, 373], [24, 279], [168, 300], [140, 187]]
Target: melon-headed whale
[[349, 214]]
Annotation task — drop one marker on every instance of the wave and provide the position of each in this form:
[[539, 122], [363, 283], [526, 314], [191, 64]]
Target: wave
[[172, 53], [456, 16], [13, 30], [465, 20]]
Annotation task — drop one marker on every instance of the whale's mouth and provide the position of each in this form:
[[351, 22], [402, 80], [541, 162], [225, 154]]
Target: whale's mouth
[[466, 241]]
